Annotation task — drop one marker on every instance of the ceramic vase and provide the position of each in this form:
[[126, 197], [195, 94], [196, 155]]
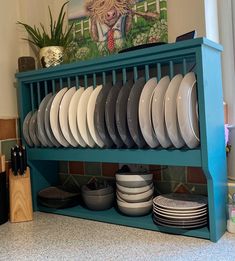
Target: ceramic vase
[[51, 56]]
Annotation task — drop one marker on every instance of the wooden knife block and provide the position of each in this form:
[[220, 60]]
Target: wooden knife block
[[20, 197]]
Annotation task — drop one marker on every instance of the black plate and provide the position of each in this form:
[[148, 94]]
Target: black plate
[[142, 46]]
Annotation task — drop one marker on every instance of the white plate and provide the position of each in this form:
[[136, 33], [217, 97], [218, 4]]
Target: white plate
[[145, 113], [63, 116], [171, 113], [90, 116], [82, 117], [73, 117], [42, 136], [33, 129], [48, 130], [187, 110], [54, 117], [26, 129], [180, 217], [180, 201], [158, 112], [180, 212]]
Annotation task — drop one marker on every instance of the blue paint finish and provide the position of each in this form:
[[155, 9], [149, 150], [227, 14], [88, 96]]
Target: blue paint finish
[[210, 155]]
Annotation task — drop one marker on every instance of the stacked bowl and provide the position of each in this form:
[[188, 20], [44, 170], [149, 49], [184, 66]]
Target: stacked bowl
[[134, 193], [98, 198]]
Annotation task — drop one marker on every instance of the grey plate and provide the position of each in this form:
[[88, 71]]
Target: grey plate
[[132, 112], [42, 136], [110, 107], [33, 129], [203, 224], [48, 130], [121, 114], [26, 129], [99, 115]]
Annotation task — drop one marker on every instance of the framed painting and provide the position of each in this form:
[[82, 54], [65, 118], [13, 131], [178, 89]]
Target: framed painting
[[103, 27]]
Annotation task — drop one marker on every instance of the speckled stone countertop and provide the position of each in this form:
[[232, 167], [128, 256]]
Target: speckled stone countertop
[[54, 237]]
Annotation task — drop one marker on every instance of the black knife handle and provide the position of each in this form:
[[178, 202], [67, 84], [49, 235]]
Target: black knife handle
[[24, 157], [21, 163], [15, 163]]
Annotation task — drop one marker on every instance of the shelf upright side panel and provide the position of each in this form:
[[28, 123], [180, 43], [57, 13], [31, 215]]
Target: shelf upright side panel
[[210, 98]]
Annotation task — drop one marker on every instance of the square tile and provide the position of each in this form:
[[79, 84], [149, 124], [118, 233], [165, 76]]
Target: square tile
[[157, 172], [6, 146], [63, 167], [198, 189], [76, 167], [7, 129], [164, 187], [109, 169], [174, 174], [196, 176], [92, 168]]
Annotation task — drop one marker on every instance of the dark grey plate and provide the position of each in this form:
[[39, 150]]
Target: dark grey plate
[[181, 222], [132, 113], [121, 114], [110, 107], [48, 130], [99, 115], [203, 224], [42, 136]]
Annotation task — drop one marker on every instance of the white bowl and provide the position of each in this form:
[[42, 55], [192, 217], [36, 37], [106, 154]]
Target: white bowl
[[132, 191], [134, 180], [141, 197], [135, 209]]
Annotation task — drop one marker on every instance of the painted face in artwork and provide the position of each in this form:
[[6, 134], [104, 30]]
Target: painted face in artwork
[[111, 17]]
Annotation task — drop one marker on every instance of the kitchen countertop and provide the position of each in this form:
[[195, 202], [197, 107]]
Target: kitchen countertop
[[54, 237]]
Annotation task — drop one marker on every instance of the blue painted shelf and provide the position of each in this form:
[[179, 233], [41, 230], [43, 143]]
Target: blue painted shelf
[[199, 55], [114, 217], [149, 156]]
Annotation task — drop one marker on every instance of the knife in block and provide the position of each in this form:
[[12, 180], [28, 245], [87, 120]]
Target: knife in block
[[20, 197]]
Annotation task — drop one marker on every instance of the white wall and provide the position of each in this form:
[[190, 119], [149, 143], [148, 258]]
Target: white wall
[[183, 16], [9, 46]]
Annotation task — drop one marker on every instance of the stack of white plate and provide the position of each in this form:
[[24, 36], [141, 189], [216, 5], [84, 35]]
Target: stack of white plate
[[180, 210], [134, 193]]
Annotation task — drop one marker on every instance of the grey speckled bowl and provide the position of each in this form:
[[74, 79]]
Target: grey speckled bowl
[[98, 202], [97, 192], [134, 180], [135, 209]]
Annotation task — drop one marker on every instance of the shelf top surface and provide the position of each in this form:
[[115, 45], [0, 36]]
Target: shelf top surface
[[132, 55], [171, 157]]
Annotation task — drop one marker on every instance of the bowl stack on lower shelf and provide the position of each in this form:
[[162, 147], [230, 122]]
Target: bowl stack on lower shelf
[[134, 193]]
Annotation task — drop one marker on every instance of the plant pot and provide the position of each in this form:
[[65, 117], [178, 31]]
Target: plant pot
[[51, 56]]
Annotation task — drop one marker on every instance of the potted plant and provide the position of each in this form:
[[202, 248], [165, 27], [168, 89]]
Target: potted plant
[[53, 44]]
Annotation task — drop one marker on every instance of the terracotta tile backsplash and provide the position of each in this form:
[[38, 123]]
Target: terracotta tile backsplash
[[76, 167], [109, 169], [196, 175], [8, 129]]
